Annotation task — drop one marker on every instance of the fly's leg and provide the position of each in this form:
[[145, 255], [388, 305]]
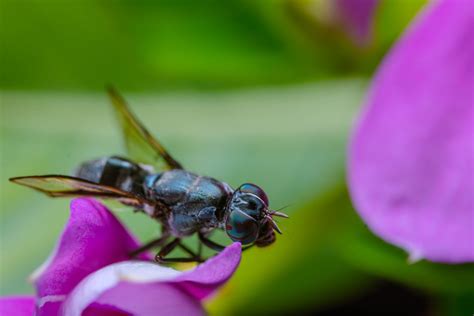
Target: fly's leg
[[166, 250], [160, 257], [196, 256], [215, 246], [199, 249], [152, 244], [209, 243]]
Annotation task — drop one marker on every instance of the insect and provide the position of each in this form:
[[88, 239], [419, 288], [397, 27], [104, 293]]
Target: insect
[[153, 182]]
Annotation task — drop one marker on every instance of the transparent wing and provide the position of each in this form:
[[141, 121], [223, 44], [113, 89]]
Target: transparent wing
[[141, 145], [66, 186]]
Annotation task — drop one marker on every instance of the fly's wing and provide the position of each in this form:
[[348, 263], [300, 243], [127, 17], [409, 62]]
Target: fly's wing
[[64, 186], [141, 145]]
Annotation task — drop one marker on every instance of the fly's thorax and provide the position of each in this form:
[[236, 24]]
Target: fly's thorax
[[195, 202]]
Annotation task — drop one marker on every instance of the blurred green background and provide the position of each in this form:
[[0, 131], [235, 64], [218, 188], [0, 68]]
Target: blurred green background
[[244, 91]]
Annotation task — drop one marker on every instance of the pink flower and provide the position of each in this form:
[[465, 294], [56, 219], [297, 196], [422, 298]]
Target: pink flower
[[89, 274], [411, 165]]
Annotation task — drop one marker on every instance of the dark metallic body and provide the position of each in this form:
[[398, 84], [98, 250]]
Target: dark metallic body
[[195, 203]]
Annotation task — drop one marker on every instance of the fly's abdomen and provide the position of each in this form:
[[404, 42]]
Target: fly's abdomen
[[114, 171]]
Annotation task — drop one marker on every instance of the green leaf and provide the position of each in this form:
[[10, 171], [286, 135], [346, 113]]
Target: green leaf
[[142, 45]]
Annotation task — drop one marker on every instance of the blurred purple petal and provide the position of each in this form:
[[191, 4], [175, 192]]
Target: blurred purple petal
[[157, 288], [17, 305], [92, 239], [357, 18], [411, 159]]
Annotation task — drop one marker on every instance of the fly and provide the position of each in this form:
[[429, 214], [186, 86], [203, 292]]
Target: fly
[[151, 181]]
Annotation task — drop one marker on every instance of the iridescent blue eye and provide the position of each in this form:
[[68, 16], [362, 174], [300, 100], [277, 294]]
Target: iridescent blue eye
[[241, 227], [255, 190]]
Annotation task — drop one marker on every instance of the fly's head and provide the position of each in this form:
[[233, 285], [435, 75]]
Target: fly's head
[[248, 219]]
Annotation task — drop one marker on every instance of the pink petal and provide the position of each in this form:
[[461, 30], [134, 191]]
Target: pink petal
[[151, 299], [357, 18], [104, 310], [411, 159], [92, 239], [143, 288], [17, 305], [207, 277]]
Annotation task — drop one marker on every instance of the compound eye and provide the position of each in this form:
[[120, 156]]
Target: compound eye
[[255, 190], [241, 227]]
